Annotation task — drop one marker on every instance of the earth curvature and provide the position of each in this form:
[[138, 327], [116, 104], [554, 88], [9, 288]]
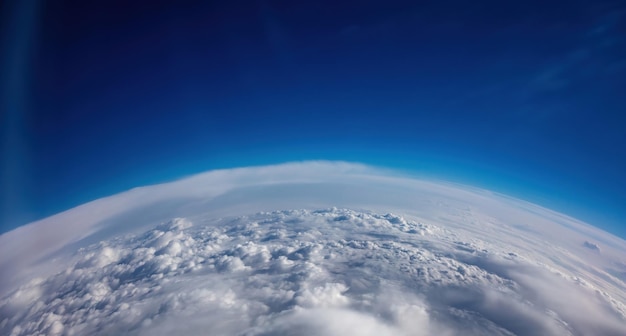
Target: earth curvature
[[313, 248]]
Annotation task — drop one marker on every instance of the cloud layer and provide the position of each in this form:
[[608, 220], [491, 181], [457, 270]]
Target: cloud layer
[[313, 272]]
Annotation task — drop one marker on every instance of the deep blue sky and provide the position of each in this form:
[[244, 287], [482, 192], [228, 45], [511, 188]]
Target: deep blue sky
[[525, 98]]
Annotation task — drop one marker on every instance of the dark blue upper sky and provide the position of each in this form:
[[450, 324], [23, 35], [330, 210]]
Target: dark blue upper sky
[[526, 98]]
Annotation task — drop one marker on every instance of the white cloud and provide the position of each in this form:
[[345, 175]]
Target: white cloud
[[364, 274], [327, 296], [456, 261], [331, 322]]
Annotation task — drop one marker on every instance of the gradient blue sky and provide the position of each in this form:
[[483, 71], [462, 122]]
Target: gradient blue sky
[[526, 98]]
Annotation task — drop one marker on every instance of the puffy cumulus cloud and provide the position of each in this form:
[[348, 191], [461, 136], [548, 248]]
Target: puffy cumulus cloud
[[300, 272], [319, 322]]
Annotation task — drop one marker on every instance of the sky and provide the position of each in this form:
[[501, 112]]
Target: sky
[[524, 98]]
